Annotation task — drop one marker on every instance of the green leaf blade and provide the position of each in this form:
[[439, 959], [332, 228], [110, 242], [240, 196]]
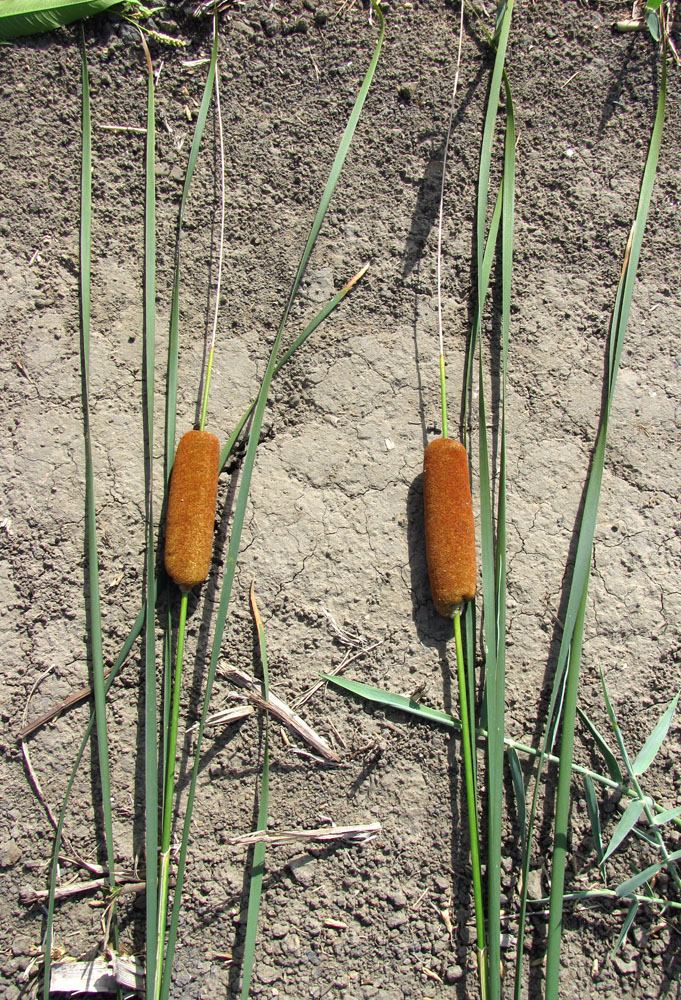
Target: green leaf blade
[[651, 746], [31, 17], [667, 816], [594, 817], [626, 824], [632, 884], [613, 767]]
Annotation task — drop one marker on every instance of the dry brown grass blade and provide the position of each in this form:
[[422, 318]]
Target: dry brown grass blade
[[52, 713], [354, 834], [281, 711], [99, 976], [125, 882]]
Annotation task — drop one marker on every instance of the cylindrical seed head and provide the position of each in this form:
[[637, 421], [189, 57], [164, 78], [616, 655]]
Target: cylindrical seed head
[[449, 525], [191, 509]]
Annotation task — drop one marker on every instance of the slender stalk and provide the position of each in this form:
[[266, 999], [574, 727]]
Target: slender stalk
[[242, 498], [443, 395], [563, 806], [168, 795], [150, 686], [95, 617], [572, 634], [218, 287], [471, 808], [258, 866]]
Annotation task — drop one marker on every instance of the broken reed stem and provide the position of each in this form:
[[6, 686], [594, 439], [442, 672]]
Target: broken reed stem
[[471, 808]]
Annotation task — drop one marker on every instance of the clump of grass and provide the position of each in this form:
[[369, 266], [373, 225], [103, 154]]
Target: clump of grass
[[562, 712], [160, 947]]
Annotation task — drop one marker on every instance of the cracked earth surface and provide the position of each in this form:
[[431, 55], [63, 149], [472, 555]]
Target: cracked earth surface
[[333, 530]]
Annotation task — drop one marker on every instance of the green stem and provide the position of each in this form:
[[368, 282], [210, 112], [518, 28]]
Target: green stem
[[563, 804], [168, 794], [470, 805], [204, 405], [443, 393]]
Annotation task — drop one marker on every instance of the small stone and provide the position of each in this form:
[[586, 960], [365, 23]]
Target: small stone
[[243, 29], [269, 26], [624, 967], [453, 974], [397, 899], [10, 852], [267, 973], [22, 946], [534, 887], [302, 869], [279, 930], [396, 920], [291, 944]]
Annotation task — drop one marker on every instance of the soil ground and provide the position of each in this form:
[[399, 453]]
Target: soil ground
[[333, 531]]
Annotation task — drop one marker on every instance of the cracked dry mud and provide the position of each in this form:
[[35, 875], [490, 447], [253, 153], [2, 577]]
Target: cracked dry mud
[[334, 522]]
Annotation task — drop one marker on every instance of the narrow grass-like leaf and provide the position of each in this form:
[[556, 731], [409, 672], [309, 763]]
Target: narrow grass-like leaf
[[496, 679], [94, 609], [56, 850], [30, 17], [258, 866], [574, 618], [520, 799], [667, 816], [610, 760], [242, 498], [298, 342], [626, 927], [634, 883], [150, 695], [156, 918], [493, 546], [388, 699], [560, 836], [627, 822], [616, 728], [655, 740], [594, 816], [174, 338]]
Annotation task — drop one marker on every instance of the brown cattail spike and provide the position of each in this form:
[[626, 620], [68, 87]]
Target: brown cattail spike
[[450, 528], [191, 509]]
